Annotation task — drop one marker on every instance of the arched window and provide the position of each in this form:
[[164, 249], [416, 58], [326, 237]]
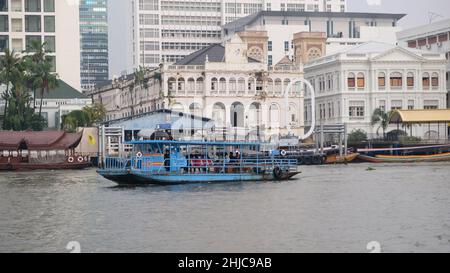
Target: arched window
[[222, 85], [214, 85], [274, 116], [361, 83], [381, 80], [218, 114], [426, 81], [254, 114], [251, 85], [278, 86], [181, 85], [232, 85], [286, 83], [191, 85], [410, 80], [351, 80], [172, 84], [241, 85], [199, 88], [270, 86], [435, 80], [396, 80], [177, 107], [237, 114]]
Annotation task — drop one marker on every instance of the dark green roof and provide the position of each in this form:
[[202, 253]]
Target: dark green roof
[[63, 91]]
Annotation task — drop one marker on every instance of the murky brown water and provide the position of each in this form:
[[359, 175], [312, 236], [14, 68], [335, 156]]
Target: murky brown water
[[406, 208]]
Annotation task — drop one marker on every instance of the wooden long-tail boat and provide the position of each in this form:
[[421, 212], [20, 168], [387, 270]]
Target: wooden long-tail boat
[[405, 158], [406, 154], [337, 159]]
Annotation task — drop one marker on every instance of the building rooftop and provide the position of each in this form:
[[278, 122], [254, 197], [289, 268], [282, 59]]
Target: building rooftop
[[215, 53], [240, 23], [63, 91], [372, 48], [425, 30]]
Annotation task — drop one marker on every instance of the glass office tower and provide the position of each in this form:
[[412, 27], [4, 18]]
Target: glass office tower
[[94, 42]]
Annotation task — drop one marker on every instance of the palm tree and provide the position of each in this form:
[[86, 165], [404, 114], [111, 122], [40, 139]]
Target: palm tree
[[37, 58], [43, 78], [382, 118], [10, 68]]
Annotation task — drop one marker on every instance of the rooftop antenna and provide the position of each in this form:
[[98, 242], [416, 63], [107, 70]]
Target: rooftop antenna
[[433, 16]]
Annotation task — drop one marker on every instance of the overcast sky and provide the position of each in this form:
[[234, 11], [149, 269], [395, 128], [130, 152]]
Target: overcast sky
[[417, 10]]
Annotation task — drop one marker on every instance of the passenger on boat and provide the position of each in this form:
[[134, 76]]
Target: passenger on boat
[[196, 163], [167, 160]]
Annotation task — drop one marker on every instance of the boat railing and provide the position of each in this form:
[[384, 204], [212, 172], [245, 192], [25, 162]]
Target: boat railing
[[212, 166], [116, 163]]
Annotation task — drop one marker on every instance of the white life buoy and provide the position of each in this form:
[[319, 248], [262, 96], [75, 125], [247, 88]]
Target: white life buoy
[[283, 153], [80, 159], [139, 154], [70, 159]]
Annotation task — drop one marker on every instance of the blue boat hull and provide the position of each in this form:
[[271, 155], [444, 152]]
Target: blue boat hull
[[141, 178]]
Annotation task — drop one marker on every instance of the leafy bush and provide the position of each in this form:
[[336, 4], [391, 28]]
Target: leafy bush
[[357, 136]]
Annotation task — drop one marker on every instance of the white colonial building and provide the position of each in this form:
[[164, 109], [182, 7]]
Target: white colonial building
[[229, 83], [351, 84]]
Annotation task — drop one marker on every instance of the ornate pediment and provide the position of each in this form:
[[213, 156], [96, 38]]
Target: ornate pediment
[[398, 54]]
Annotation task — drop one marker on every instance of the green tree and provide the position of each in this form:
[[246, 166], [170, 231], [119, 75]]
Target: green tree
[[357, 136], [382, 119], [36, 56], [96, 112], [40, 74], [75, 119], [10, 65]]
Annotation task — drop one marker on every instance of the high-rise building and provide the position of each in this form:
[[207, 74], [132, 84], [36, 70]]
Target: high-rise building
[[50, 21], [156, 31], [94, 42]]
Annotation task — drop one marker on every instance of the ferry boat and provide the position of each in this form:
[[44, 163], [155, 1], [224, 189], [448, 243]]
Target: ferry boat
[[181, 162]]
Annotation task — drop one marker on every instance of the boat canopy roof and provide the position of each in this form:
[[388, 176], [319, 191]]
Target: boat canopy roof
[[200, 143], [421, 116], [39, 141]]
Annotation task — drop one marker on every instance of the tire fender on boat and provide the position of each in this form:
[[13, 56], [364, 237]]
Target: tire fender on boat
[[80, 159], [283, 152], [139, 154], [70, 159], [278, 173]]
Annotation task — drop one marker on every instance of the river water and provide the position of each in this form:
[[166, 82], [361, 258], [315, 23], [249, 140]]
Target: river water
[[406, 208]]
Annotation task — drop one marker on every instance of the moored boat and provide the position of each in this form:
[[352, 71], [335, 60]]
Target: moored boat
[[181, 162], [337, 159], [28, 150], [405, 158], [406, 154]]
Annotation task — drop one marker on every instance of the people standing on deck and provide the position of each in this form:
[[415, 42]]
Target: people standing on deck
[[167, 160], [227, 162], [232, 162]]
